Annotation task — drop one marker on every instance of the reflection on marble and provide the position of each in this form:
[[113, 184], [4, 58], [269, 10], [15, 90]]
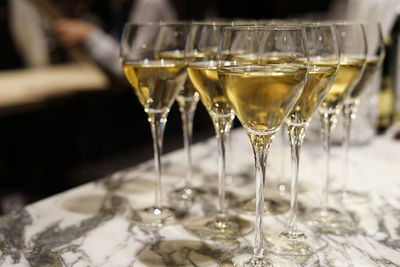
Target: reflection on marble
[[90, 226]]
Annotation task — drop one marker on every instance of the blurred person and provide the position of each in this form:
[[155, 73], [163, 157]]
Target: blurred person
[[95, 25]]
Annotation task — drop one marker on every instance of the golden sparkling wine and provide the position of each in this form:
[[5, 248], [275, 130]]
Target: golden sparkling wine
[[320, 77], [188, 90], [204, 77], [180, 55], [262, 96], [243, 58], [348, 74], [155, 82], [371, 67], [171, 55], [266, 58]]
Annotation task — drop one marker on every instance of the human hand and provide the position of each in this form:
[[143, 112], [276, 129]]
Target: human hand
[[73, 31]]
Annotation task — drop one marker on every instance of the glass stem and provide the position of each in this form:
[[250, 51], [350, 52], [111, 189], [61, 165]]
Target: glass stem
[[296, 137], [157, 124], [328, 120], [283, 156], [187, 114], [261, 145], [349, 113], [222, 126]]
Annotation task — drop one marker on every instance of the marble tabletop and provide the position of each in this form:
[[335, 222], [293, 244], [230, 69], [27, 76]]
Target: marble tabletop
[[90, 225]]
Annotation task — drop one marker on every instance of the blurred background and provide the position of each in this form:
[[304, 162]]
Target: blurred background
[[67, 114]]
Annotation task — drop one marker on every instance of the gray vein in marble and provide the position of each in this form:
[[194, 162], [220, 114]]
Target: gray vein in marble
[[44, 249], [377, 244], [374, 259], [388, 241], [12, 229], [178, 252]]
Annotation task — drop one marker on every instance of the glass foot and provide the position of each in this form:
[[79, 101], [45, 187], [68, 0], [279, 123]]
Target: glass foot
[[352, 197], [273, 260], [276, 206], [240, 179], [231, 199], [280, 188], [283, 189], [296, 244], [257, 262], [153, 217], [219, 227], [185, 195], [331, 221]]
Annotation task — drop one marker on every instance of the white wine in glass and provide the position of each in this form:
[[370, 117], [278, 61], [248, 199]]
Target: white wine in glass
[[187, 100], [349, 72], [376, 53], [353, 50], [203, 74], [156, 83], [262, 96], [324, 58]]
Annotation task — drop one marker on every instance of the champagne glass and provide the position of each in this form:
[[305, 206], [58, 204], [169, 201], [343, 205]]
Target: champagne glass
[[353, 49], [324, 57], [187, 100], [376, 53], [262, 93], [156, 83], [201, 51]]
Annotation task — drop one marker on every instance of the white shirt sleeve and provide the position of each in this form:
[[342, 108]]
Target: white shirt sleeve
[[105, 49], [26, 26], [152, 11]]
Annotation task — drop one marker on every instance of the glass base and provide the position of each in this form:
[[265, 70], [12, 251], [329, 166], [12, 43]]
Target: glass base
[[153, 217], [281, 188], [231, 199], [185, 196], [352, 197], [278, 188], [257, 262], [331, 221], [219, 227], [296, 244], [275, 206], [240, 179]]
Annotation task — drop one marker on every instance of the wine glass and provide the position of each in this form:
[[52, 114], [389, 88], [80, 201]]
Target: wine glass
[[156, 83], [353, 49], [324, 56], [187, 100], [262, 93], [201, 51], [376, 53]]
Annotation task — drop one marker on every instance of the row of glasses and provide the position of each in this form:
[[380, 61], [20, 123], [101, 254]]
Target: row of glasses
[[265, 74], [201, 50], [324, 57], [187, 100], [375, 55], [353, 53], [262, 93], [156, 82]]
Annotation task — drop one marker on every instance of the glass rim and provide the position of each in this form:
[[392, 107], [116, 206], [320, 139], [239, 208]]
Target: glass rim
[[265, 27], [213, 23], [159, 23], [345, 22], [317, 23], [371, 23]]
